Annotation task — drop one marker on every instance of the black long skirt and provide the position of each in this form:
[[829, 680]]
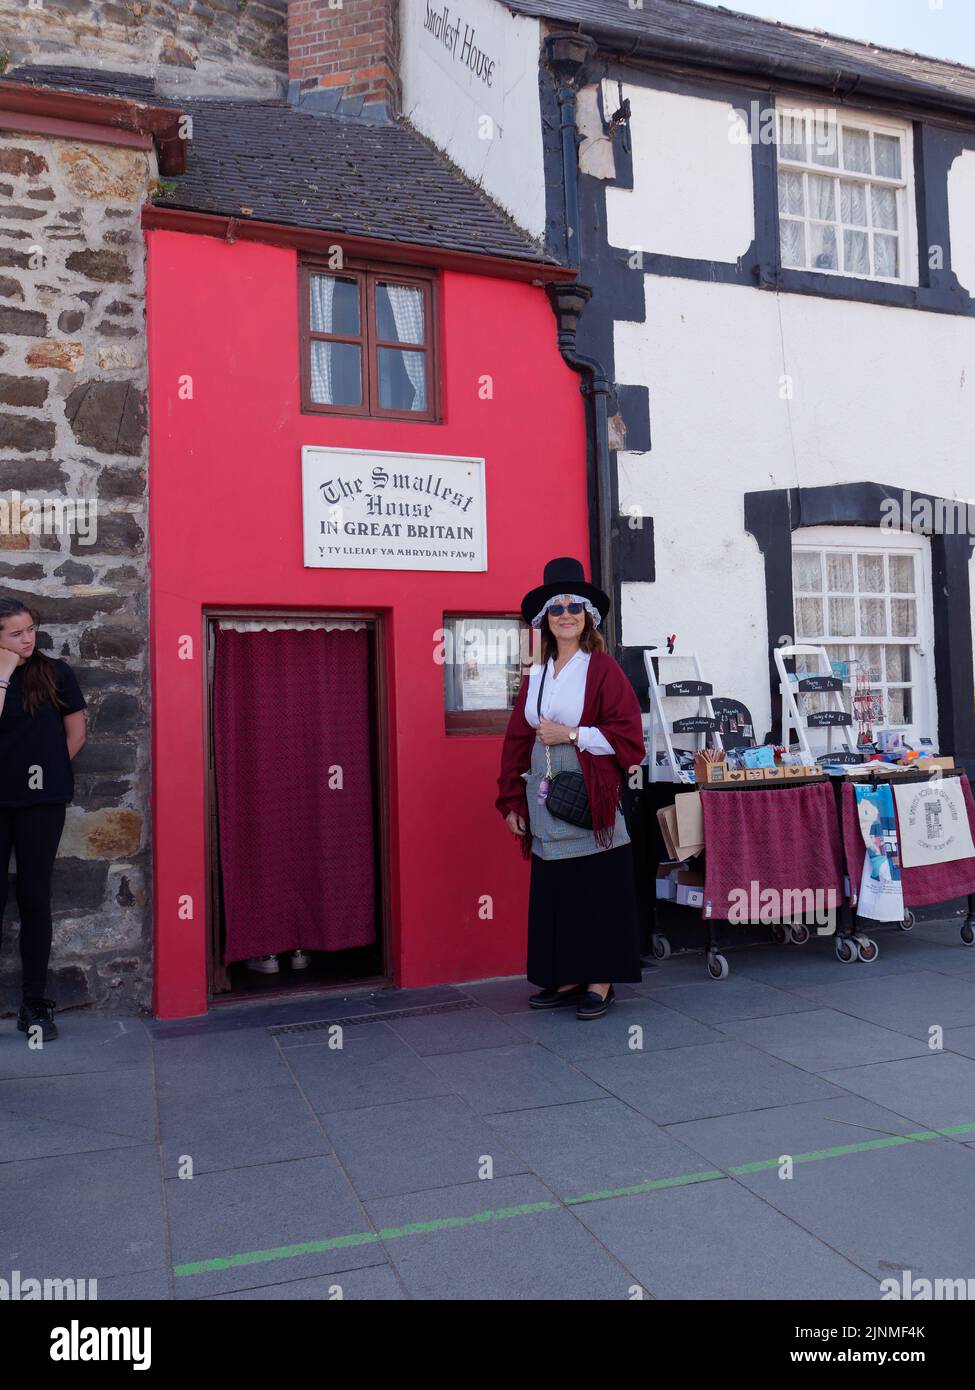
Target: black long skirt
[[583, 920]]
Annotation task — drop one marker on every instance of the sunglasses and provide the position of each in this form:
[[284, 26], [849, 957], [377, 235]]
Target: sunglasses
[[557, 609]]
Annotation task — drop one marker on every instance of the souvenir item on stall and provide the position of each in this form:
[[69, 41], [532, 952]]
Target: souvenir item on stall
[[881, 894], [933, 821]]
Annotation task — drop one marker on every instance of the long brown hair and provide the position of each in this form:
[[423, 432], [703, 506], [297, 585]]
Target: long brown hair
[[40, 675], [590, 639]]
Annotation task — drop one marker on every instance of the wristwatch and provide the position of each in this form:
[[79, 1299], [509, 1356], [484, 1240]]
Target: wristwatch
[[573, 735]]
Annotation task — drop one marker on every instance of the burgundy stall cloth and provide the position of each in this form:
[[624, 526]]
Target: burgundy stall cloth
[[925, 883], [296, 855], [786, 839]]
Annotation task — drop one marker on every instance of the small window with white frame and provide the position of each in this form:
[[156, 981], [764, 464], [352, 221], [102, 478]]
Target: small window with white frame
[[866, 601], [845, 187]]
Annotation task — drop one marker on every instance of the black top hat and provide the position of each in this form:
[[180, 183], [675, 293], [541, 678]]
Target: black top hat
[[563, 576]]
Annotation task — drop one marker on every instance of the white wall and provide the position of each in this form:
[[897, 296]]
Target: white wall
[[457, 109], [878, 394]]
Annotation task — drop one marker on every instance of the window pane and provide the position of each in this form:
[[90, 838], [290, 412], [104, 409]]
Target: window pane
[[841, 617], [402, 380], [334, 305], [853, 203], [870, 570], [887, 155], [792, 243], [903, 617], [336, 375], [399, 313], [790, 194], [792, 137], [856, 253], [809, 617], [856, 150], [822, 242], [825, 148], [898, 706], [839, 573], [884, 202], [806, 573], [821, 197], [482, 669], [898, 663], [873, 617], [901, 574], [869, 662], [839, 660], [885, 256]]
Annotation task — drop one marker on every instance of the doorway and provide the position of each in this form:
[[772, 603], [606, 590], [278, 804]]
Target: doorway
[[297, 830]]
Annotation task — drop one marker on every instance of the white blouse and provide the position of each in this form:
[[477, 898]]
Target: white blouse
[[562, 700]]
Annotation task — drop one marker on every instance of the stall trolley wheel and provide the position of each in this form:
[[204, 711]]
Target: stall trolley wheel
[[968, 934], [780, 934], [660, 945], [800, 934], [846, 949], [717, 965], [908, 921], [867, 949]]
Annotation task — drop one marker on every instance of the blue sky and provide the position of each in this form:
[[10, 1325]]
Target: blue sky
[[942, 28]]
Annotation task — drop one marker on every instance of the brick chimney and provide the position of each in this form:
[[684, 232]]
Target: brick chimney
[[343, 55]]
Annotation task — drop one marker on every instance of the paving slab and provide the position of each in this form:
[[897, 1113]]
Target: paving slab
[[378, 1283], [254, 1212], [373, 1067], [83, 1216], [415, 1145], [689, 1083], [615, 1033], [936, 1090], [118, 1102], [821, 1040], [459, 1031], [544, 1255], [715, 1240], [909, 1003], [595, 1146], [85, 1042], [715, 1001], [268, 1124], [145, 1286], [23, 1137], [513, 1078], [217, 1064]]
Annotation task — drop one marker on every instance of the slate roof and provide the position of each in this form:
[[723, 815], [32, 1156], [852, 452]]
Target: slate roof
[[718, 37], [303, 169]]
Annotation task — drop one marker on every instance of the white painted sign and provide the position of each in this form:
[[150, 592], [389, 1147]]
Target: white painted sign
[[934, 822], [467, 45], [369, 509]]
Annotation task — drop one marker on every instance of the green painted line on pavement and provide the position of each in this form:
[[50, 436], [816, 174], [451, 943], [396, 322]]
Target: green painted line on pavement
[[311, 1247]]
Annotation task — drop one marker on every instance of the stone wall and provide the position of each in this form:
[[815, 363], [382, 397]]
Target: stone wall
[[73, 429], [194, 47]]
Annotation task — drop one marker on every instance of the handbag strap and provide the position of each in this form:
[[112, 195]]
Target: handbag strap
[[548, 751]]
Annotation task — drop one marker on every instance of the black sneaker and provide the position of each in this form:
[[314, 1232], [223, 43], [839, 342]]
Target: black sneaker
[[38, 1013]]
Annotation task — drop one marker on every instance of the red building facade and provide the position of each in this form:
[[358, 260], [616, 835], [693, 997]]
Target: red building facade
[[227, 429]]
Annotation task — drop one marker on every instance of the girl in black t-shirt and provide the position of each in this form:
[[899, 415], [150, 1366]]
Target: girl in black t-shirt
[[42, 727]]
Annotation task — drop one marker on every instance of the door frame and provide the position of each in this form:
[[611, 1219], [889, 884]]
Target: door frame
[[379, 719]]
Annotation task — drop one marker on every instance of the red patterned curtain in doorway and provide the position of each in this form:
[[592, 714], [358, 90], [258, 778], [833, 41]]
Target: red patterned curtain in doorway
[[296, 839]]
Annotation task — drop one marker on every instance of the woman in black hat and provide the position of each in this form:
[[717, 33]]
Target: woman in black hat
[[575, 712]]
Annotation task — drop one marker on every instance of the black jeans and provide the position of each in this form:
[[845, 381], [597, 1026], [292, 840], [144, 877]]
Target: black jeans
[[33, 833]]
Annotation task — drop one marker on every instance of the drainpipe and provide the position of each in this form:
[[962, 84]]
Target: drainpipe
[[567, 56]]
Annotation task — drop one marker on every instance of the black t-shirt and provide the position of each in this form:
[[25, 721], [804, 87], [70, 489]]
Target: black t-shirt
[[34, 763]]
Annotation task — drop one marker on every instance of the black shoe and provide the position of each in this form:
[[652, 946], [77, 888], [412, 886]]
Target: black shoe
[[593, 1005], [38, 1013], [555, 998]]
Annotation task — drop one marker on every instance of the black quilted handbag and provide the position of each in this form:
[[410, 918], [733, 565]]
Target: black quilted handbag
[[566, 798]]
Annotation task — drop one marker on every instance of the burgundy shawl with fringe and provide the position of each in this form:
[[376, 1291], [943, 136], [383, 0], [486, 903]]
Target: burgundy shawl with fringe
[[611, 705]]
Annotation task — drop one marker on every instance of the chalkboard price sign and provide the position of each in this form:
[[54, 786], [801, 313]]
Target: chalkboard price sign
[[820, 683], [689, 688], [829, 719], [696, 724]]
